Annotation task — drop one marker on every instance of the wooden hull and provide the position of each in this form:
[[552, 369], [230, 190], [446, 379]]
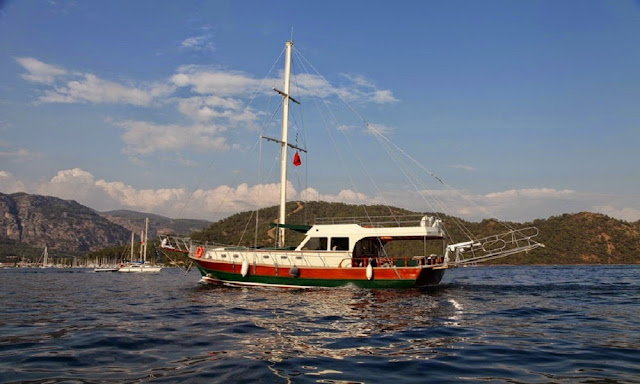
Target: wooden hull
[[217, 272]]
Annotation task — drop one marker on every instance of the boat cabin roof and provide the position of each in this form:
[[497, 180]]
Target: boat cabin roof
[[426, 228]]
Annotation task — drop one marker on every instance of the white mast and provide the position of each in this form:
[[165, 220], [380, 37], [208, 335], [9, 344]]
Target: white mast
[[146, 235], [283, 143], [141, 245]]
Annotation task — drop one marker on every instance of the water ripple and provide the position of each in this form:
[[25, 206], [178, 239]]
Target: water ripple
[[493, 324]]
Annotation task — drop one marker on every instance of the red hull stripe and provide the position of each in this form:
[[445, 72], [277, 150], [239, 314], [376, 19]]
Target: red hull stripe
[[317, 276]]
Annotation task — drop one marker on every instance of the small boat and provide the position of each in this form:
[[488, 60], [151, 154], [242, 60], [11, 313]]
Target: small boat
[[134, 267], [141, 266], [106, 269], [345, 251]]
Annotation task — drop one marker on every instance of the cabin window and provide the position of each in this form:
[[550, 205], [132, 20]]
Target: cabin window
[[316, 244], [368, 247], [339, 243]]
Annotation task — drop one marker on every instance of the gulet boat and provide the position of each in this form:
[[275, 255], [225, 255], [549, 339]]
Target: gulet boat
[[339, 252]]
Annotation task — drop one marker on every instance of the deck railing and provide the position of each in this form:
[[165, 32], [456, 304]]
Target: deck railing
[[375, 221], [496, 246]]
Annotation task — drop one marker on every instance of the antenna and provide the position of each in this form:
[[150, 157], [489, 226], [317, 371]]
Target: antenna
[[291, 34]]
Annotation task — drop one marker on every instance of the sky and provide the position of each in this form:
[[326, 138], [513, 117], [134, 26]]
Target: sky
[[518, 109]]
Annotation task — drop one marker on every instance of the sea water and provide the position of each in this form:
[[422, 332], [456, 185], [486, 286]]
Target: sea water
[[552, 324]]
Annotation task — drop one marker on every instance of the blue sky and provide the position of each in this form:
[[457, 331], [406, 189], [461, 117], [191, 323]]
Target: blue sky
[[527, 108]]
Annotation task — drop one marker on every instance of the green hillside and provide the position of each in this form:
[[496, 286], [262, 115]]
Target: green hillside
[[581, 238]]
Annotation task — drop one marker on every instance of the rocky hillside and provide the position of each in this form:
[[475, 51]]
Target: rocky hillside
[[158, 225], [62, 225], [29, 222]]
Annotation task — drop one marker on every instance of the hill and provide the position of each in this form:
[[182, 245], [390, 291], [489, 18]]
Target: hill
[[28, 223], [158, 225], [66, 227], [581, 238], [588, 238]]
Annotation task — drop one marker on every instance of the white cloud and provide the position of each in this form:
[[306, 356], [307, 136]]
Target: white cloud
[[80, 185], [231, 110], [14, 154], [346, 128], [383, 97], [199, 43], [208, 81], [344, 196], [214, 82], [215, 203], [73, 87], [9, 184], [531, 193], [39, 72], [625, 213], [379, 129], [463, 167], [217, 101], [523, 204], [73, 184], [76, 176], [360, 88], [95, 90], [142, 137]]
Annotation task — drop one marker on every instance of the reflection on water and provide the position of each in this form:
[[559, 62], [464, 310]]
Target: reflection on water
[[275, 325]]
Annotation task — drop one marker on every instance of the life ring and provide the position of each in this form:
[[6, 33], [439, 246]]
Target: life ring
[[199, 252]]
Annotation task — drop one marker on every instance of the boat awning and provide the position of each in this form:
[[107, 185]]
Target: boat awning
[[295, 227]]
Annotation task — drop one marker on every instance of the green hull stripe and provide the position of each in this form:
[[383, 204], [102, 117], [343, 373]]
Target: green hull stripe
[[294, 281]]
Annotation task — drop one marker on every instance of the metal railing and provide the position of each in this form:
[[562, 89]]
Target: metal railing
[[374, 221], [495, 246]]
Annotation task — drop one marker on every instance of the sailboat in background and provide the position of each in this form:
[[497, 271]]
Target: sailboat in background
[[115, 267], [140, 266], [45, 258]]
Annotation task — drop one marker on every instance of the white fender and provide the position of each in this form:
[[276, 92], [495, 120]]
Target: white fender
[[369, 272], [245, 268]]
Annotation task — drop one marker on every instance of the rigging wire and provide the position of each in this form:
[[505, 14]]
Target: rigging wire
[[302, 130], [355, 153], [383, 139], [333, 140], [417, 182]]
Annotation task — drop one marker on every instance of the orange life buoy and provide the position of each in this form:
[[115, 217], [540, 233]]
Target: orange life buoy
[[199, 252]]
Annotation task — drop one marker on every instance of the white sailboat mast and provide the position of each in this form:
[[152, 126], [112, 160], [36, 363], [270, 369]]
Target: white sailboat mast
[[141, 246], [285, 134], [146, 235], [131, 257]]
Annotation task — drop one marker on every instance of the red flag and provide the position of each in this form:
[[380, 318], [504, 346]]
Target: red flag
[[296, 159]]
